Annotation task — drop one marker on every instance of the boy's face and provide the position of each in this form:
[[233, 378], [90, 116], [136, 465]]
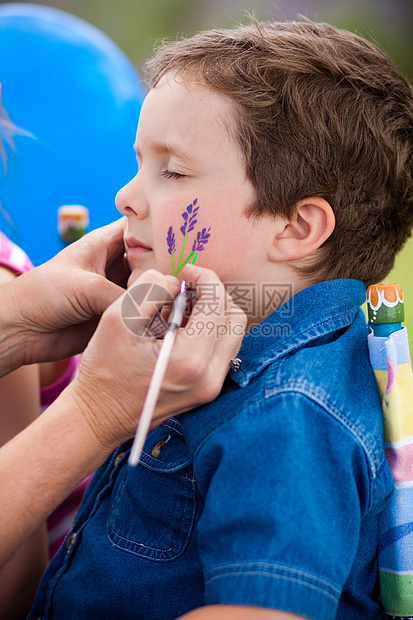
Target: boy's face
[[186, 156]]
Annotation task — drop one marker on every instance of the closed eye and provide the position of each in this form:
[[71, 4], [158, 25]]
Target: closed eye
[[169, 174]]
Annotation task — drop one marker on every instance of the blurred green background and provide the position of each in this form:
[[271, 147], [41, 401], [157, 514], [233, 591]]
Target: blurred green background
[[136, 25]]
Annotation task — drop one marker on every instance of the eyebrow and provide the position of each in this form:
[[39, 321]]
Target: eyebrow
[[172, 149]]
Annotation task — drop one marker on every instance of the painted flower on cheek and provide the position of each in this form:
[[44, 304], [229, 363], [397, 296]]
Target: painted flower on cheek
[[201, 240], [170, 240], [189, 217]]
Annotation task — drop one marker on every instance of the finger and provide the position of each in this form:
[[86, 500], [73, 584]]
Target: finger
[[137, 273], [141, 304], [88, 295], [196, 344], [113, 234], [95, 249], [108, 239], [196, 276], [117, 267], [210, 311], [69, 341], [118, 270], [102, 250], [197, 370], [208, 289], [229, 340]]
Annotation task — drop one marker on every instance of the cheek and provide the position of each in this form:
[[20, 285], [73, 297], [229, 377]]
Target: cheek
[[169, 241], [176, 227], [222, 238], [232, 251], [218, 254], [167, 238]]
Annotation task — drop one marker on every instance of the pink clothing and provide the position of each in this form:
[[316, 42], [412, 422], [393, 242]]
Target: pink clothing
[[13, 257], [49, 393], [60, 521]]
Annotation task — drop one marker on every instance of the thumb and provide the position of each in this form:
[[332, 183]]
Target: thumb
[[98, 294]]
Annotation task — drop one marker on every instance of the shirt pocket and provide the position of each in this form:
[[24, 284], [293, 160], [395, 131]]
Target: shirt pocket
[[154, 503]]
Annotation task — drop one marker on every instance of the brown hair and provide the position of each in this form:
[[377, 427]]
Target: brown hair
[[323, 112]]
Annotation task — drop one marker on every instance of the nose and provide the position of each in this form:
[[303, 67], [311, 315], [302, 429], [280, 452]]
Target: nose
[[130, 200]]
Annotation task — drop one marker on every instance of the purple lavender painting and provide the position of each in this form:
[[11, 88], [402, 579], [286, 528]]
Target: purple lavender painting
[[202, 237]]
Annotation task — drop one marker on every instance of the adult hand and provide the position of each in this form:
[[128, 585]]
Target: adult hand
[[117, 365], [50, 312], [100, 409]]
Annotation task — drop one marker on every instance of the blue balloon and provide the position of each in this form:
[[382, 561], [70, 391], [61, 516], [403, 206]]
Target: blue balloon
[[77, 98]]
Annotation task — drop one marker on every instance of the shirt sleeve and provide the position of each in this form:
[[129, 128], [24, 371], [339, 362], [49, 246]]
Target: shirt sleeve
[[284, 486]]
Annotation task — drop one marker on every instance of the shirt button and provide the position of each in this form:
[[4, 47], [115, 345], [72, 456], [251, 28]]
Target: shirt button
[[119, 458], [158, 448], [70, 540]]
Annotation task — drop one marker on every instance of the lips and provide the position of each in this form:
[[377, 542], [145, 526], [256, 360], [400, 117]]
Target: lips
[[134, 247]]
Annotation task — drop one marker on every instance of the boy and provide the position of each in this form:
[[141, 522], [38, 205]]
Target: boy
[[291, 144]]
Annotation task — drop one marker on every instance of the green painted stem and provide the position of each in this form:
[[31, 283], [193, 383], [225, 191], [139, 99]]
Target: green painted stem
[[180, 256], [184, 263]]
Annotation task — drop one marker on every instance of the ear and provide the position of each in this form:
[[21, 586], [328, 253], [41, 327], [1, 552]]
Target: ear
[[312, 223]]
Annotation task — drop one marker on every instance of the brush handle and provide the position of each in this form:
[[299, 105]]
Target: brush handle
[[152, 396], [175, 320]]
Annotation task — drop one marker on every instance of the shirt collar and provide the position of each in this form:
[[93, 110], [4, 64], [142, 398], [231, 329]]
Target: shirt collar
[[313, 312]]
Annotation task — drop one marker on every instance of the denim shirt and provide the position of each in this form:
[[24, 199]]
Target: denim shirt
[[268, 496]]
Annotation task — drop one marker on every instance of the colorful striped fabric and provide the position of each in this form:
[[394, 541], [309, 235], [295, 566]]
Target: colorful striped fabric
[[390, 359]]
